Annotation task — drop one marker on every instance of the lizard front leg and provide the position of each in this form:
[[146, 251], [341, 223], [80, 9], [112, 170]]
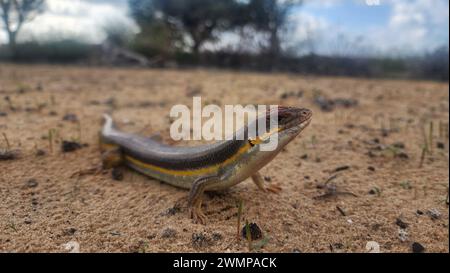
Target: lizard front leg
[[196, 194], [259, 181]]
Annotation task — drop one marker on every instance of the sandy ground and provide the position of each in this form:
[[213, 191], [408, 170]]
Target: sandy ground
[[49, 198]]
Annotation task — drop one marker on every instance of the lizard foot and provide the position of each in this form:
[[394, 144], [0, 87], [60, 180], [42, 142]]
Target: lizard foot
[[273, 188], [198, 216]]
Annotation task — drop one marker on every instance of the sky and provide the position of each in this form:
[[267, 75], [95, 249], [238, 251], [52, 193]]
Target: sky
[[323, 26]]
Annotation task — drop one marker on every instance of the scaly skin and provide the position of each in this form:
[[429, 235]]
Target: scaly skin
[[202, 168]]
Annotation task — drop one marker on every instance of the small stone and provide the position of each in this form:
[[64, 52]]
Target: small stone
[[399, 145], [402, 155], [199, 240], [70, 146], [72, 247], [70, 117], [117, 174], [417, 248], [69, 231], [402, 235], [370, 168], [168, 233], [267, 178], [337, 247], [399, 222], [341, 168], [373, 247], [296, 250], [6, 154], [217, 236], [32, 183], [255, 232], [434, 213], [419, 212], [40, 152], [27, 221], [172, 211]]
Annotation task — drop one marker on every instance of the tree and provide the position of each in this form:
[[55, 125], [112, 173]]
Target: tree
[[14, 13], [270, 16], [199, 19]]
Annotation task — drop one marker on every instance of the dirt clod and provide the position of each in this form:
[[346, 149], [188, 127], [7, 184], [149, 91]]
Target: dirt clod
[[70, 146], [255, 232]]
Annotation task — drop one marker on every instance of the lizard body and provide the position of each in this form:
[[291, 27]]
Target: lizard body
[[210, 167]]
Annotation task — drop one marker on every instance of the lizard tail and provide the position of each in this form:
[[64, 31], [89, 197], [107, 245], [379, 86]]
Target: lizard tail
[[108, 125]]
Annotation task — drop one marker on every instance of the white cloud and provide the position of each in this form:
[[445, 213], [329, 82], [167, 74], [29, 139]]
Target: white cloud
[[305, 32], [416, 25], [76, 18], [413, 26]]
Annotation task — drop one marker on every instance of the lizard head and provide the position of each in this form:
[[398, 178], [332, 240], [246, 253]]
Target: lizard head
[[290, 122]]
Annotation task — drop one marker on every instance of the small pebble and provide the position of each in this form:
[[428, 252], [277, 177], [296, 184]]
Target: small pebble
[[32, 183], [69, 231], [70, 117], [72, 247], [6, 154], [117, 174], [199, 240], [40, 152], [255, 232], [342, 168], [417, 248], [168, 233], [402, 155], [373, 247], [399, 222], [434, 213], [70, 146], [402, 235]]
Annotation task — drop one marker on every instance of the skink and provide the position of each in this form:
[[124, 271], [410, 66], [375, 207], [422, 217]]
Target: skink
[[210, 167]]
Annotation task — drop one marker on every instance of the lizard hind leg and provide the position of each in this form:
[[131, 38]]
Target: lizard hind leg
[[112, 158], [195, 197]]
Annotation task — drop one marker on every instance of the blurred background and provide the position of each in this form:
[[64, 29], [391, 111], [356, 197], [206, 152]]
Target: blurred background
[[366, 38]]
